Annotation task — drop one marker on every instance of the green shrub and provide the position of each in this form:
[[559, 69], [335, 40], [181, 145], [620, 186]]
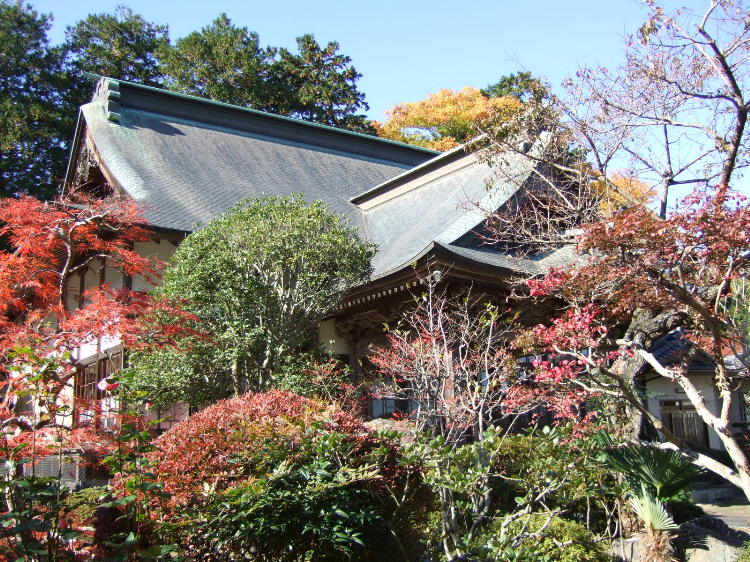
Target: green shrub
[[297, 512], [82, 504], [589, 491], [561, 541], [316, 374], [682, 511], [276, 476]]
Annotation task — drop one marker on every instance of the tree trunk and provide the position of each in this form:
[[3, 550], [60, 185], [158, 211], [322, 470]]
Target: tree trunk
[[236, 377], [739, 477], [644, 329]]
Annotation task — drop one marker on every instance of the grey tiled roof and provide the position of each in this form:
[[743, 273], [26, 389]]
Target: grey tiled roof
[[188, 160], [669, 349], [523, 266], [440, 205]]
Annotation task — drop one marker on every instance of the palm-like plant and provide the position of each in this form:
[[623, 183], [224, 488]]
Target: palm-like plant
[[663, 473], [652, 512], [653, 475], [657, 545]]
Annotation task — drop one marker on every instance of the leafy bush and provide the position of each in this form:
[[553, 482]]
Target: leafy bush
[[30, 517], [682, 511], [560, 541], [588, 492], [663, 473], [317, 374], [311, 508], [277, 476], [547, 469], [82, 504]]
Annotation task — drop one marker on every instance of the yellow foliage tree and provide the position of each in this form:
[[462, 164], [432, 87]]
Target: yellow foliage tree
[[622, 190], [445, 119]]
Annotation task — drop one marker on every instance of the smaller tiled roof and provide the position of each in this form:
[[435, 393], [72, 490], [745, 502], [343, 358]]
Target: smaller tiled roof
[[438, 203], [529, 266], [670, 349], [736, 364]]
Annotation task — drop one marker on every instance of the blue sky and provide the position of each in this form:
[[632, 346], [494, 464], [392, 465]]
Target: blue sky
[[409, 48]]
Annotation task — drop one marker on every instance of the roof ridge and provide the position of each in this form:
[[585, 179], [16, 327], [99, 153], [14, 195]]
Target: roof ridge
[[414, 171], [257, 112]]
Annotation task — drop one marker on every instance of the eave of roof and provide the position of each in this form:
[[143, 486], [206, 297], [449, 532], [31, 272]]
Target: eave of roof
[[80, 126], [434, 255], [486, 258]]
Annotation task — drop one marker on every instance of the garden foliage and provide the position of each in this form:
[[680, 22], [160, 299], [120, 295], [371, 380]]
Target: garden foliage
[[260, 277], [42, 325], [276, 476]]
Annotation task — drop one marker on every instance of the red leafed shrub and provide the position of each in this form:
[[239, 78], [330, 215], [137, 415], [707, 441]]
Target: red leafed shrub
[[221, 444], [277, 473]]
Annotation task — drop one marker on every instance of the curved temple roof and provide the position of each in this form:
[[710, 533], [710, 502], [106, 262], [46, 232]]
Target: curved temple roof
[[187, 160], [437, 204]]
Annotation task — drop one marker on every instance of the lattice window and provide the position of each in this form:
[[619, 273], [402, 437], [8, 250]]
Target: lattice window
[[92, 404], [681, 419], [385, 407]]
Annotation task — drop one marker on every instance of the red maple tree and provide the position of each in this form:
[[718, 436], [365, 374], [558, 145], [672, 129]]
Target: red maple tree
[[45, 244], [646, 277], [43, 326]]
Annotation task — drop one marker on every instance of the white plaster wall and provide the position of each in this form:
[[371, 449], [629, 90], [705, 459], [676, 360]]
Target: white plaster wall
[[156, 248], [329, 340], [91, 279], [66, 397], [664, 389]]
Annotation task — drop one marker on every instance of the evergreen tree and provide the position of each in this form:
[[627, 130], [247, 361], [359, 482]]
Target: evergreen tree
[[226, 63], [122, 45], [222, 62], [323, 85], [259, 278], [33, 125], [522, 86]]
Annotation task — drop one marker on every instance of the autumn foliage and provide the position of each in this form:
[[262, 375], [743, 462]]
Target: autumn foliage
[[205, 447], [643, 277], [446, 119], [253, 447], [638, 259], [48, 242], [467, 365], [43, 324], [46, 245]]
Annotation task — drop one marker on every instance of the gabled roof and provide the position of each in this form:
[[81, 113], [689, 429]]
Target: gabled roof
[[670, 349], [437, 203], [188, 159]]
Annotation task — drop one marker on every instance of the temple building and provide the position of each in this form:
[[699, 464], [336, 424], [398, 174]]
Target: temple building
[[187, 160]]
